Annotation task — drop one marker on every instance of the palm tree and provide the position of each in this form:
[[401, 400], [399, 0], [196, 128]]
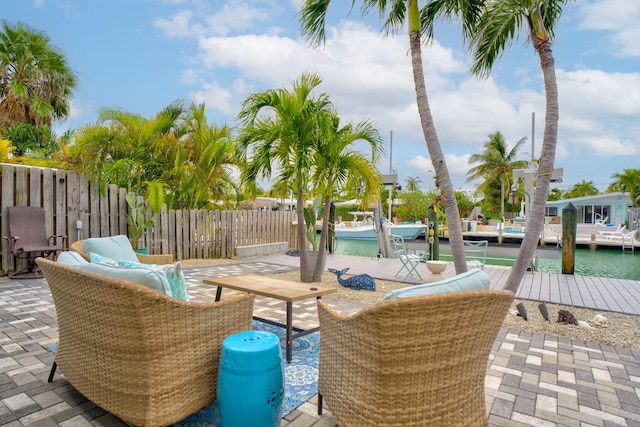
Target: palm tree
[[396, 13], [628, 182], [496, 163], [206, 158], [282, 128], [581, 189], [336, 163], [496, 30], [554, 194], [129, 150], [36, 81], [413, 183]]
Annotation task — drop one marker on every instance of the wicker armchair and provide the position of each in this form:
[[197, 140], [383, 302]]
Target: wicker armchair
[[157, 259], [147, 358], [410, 361]]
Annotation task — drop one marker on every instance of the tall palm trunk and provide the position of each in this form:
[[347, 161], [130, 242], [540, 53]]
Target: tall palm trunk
[[501, 199], [317, 272], [535, 218], [443, 180], [305, 271]]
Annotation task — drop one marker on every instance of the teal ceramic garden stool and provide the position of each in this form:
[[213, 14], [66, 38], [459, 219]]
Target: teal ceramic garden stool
[[250, 380]]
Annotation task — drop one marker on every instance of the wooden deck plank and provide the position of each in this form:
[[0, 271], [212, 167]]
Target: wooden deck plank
[[574, 291], [618, 295], [585, 293], [599, 297], [607, 294], [546, 282]]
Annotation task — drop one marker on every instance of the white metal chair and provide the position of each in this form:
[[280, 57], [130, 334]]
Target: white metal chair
[[631, 236], [475, 252], [410, 262]]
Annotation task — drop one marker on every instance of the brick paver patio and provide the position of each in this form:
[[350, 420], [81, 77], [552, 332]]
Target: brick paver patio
[[532, 379]]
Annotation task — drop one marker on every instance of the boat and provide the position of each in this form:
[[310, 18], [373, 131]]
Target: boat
[[409, 231]]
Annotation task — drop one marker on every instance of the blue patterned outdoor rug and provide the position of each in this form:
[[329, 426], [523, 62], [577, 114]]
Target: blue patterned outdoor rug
[[301, 376]]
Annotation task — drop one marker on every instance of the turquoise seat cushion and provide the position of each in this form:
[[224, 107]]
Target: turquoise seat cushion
[[177, 282], [151, 276], [472, 280], [71, 258], [114, 247]]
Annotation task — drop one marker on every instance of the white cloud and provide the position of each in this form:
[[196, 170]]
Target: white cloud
[[457, 165], [617, 17], [78, 109], [369, 77], [599, 113], [215, 97], [234, 16], [179, 25]]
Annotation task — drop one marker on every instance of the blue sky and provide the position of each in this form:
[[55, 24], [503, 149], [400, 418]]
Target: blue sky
[[140, 55]]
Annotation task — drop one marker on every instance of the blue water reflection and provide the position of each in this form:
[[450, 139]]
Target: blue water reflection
[[603, 262]]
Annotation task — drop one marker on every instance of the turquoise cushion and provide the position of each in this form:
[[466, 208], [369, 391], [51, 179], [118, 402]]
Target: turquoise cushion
[[71, 258], [176, 279], [114, 247], [93, 257], [151, 276], [472, 280]]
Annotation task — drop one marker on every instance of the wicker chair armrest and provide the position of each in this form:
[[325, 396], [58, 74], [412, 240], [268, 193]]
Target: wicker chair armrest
[[158, 259], [77, 247]]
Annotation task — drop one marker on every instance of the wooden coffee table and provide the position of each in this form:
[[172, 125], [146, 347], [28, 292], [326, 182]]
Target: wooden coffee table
[[283, 290]]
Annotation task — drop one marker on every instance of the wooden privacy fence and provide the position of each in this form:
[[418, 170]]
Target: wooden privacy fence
[[75, 208]]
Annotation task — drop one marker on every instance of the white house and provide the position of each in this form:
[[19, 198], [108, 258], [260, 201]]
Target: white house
[[609, 208]]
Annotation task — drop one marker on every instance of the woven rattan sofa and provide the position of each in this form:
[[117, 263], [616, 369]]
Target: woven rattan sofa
[[416, 361], [145, 357]]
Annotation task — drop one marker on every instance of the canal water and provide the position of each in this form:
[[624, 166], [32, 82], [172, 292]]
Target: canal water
[[603, 262]]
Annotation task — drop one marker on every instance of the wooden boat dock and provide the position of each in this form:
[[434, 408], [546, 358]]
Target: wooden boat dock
[[615, 295]]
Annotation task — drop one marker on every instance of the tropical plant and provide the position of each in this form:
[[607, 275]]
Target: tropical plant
[[36, 82], [281, 128], [129, 150], [413, 205], [554, 194], [206, 159], [136, 219], [496, 163], [581, 189], [628, 182], [395, 15], [5, 150], [496, 29], [465, 205], [27, 138], [413, 183], [336, 164]]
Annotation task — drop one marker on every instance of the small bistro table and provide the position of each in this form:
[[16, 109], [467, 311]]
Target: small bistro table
[[283, 290]]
